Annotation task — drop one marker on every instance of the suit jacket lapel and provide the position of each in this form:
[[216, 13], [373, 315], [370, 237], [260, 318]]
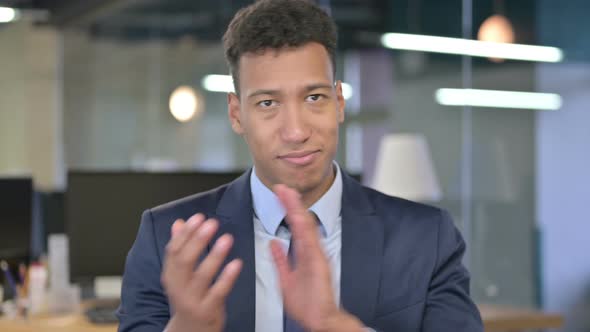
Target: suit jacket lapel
[[235, 214], [362, 251]]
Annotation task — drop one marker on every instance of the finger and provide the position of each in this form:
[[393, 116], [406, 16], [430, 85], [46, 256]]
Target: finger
[[224, 284], [177, 227], [168, 277], [183, 262], [182, 231], [298, 217], [209, 267], [282, 264], [296, 211], [290, 199], [301, 222], [305, 236]]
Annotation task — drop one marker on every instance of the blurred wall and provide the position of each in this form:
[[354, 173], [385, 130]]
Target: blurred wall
[[502, 155], [563, 147], [30, 104], [116, 105], [563, 162]]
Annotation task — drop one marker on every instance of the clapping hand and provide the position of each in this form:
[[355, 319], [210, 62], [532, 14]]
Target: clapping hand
[[307, 290], [198, 304]]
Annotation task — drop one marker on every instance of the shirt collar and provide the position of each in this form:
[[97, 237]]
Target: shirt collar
[[270, 212]]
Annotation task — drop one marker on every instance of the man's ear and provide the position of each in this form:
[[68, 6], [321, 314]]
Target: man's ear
[[233, 113], [341, 101]]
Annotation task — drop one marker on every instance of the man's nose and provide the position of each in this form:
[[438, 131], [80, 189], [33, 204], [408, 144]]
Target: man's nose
[[295, 127]]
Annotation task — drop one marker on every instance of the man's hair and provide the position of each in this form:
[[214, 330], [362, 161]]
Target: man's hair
[[275, 24]]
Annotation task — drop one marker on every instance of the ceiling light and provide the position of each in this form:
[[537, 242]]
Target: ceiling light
[[498, 99], [185, 103], [470, 47], [8, 14], [347, 91], [496, 28], [218, 83]]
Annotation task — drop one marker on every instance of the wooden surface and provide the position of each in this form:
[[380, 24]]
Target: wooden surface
[[68, 323], [495, 319]]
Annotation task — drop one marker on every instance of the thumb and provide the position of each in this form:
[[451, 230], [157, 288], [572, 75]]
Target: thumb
[[282, 265]]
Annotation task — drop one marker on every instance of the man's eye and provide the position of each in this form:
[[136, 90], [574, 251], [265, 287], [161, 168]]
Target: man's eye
[[315, 97], [266, 103]]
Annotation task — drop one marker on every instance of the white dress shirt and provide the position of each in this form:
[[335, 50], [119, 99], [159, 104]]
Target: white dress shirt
[[268, 214]]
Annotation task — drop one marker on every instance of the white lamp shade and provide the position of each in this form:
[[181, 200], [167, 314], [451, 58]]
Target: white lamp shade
[[404, 168]]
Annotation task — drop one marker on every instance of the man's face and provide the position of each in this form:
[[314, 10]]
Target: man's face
[[288, 112]]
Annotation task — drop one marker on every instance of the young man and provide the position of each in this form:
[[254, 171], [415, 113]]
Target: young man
[[358, 260]]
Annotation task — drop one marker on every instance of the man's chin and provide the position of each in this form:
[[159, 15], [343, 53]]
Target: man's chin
[[303, 185], [302, 180]]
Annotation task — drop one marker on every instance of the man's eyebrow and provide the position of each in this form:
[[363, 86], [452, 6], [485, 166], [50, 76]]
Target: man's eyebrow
[[263, 92], [307, 88], [318, 86]]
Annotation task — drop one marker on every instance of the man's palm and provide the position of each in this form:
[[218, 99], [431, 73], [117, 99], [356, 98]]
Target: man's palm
[[307, 286]]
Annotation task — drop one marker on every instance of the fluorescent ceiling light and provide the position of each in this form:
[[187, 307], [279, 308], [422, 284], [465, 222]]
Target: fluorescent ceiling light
[[224, 83], [402, 41], [8, 14], [346, 91], [218, 83], [500, 99]]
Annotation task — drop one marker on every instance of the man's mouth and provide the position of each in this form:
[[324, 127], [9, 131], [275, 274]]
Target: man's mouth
[[300, 158]]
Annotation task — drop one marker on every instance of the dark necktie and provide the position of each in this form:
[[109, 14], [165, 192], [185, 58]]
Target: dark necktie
[[289, 324]]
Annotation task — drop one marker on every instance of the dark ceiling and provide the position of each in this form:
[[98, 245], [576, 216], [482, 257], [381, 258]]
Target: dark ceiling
[[207, 19]]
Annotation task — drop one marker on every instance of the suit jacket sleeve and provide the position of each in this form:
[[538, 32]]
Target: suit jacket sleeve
[[144, 305], [448, 304]]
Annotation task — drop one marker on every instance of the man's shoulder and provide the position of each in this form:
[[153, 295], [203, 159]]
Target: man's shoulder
[[403, 216], [203, 202], [400, 207]]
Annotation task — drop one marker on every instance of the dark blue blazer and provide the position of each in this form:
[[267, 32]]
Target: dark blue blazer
[[401, 262]]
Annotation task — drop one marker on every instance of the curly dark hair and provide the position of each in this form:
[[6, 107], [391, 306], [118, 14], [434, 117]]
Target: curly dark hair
[[274, 24]]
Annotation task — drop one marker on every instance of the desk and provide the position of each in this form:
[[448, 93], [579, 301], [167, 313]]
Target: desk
[[495, 319], [67, 323], [75, 322], [500, 318]]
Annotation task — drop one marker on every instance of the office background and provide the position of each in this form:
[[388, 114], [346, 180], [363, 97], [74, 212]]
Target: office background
[[85, 86]]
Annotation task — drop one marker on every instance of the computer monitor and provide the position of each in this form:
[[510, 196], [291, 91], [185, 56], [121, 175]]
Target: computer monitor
[[16, 202], [103, 211]]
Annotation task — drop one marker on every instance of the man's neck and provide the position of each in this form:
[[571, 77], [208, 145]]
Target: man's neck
[[309, 198]]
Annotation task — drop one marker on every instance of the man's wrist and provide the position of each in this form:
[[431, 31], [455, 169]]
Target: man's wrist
[[178, 324], [342, 322]]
